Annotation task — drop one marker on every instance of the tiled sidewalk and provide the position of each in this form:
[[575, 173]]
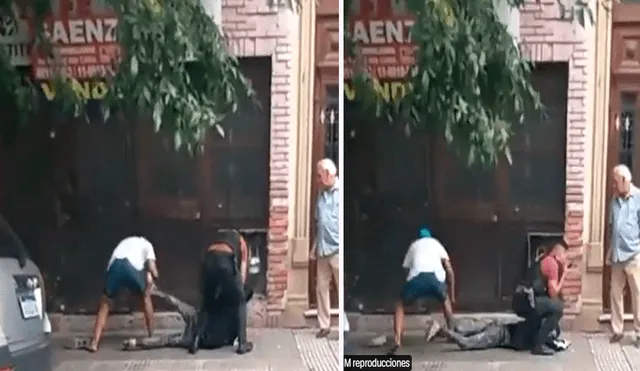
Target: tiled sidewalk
[[587, 353], [275, 349]]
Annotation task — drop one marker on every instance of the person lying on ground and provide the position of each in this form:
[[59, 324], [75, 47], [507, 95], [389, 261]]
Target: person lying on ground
[[429, 272], [221, 330], [479, 335], [132, 268]]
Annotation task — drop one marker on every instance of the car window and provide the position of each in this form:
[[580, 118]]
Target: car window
[[10, 243]]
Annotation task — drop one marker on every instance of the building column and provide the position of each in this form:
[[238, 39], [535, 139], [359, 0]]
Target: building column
[[298, 281], [592, 281]]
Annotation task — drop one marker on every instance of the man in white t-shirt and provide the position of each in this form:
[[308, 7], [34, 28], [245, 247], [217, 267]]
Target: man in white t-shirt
[[429, 272], [132, 267]]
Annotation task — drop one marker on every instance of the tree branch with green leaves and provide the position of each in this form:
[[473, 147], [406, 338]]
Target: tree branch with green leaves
[[174, 66], [469, 82]]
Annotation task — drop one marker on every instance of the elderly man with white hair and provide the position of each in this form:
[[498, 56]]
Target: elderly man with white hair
[[623, 255], [326, 248]]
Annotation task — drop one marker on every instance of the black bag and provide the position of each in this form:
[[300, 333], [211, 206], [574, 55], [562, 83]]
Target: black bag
[[533, 285]]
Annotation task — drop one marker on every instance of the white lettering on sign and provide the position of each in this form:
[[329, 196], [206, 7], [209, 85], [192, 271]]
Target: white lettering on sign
[[381, 32], [82, 31], [86, 48]]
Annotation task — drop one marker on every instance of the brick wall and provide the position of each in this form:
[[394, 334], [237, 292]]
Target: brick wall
[[546, 38], [254, 29]]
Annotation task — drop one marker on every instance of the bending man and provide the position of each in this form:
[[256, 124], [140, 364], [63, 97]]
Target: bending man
[[132, 267], [429, 271]]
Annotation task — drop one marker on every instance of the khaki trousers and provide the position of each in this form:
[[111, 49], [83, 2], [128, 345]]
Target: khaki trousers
[[622, 273], [326, 268]]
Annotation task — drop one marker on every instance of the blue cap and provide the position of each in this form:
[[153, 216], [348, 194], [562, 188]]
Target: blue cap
[[425, 232]]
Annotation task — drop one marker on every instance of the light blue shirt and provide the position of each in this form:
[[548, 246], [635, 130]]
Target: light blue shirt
[[625, 226], [328, 221]]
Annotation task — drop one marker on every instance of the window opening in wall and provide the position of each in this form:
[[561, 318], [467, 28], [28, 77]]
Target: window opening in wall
[[627, 120], [329, 118]]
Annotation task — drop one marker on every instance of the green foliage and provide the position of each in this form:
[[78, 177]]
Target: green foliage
[[469, 84], [174, 66]]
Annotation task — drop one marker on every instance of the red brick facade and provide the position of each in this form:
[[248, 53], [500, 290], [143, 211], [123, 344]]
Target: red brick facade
[[546, 38], [256, 30]]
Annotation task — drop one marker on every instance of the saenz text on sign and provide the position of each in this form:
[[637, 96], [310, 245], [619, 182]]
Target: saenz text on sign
[[382, 32], [82, 31]]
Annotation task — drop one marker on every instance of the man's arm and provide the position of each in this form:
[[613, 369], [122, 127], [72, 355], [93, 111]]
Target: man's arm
[[448, 268], [151, 262], [153, 269], [244, 258], [408, 258], [555, 280]]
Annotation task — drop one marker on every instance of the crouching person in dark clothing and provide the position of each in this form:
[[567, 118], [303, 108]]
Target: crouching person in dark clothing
[[224, 294], [538, 299]]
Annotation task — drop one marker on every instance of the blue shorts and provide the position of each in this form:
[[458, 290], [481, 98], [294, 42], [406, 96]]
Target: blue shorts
[[122, 275], [424, 286]]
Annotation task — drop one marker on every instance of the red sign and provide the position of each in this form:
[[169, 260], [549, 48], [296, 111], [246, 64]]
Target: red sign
[[380, 29], [84, 46]]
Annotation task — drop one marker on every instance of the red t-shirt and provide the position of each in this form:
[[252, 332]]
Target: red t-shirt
[[550, 270]]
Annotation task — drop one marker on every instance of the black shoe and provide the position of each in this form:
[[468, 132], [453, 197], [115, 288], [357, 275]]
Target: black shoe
[[393, 350], [323, 333], [615, 338], [195, 345], [542, 350], [244, 348]]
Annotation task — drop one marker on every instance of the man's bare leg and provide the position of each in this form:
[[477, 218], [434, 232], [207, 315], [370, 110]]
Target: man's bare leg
[[398, 326], [101, 320], [148, 313]]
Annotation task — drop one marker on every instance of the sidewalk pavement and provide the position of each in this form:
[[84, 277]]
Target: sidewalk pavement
[[589, 352], [274, 350]]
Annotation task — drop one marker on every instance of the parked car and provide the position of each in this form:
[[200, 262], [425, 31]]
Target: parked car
[[24, 343]]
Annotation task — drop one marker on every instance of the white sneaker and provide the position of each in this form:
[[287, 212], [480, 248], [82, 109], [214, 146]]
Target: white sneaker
[[378, 341], [561, 344], [433, 330]]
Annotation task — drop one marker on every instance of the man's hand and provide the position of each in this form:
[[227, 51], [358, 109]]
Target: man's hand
[[566, 265], [150, 280], [152, 269], [151, 285]]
